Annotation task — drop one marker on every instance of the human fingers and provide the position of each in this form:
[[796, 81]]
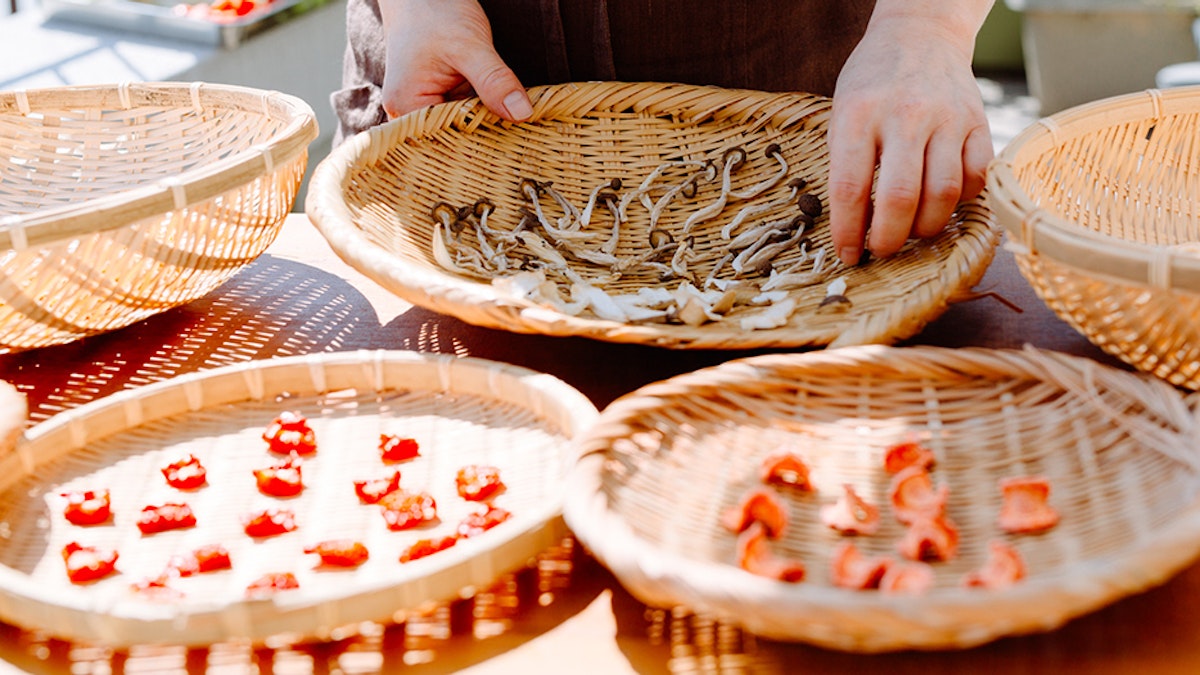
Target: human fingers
[[941, 187], [496, 85], [978, 152], [851, 172], [898, 186]]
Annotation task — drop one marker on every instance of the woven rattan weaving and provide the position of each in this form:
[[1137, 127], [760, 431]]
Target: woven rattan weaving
[[373, 198], [663, 464], [1100, 202], [118, 202]]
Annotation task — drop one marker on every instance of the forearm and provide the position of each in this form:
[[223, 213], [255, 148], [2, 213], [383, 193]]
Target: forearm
[[955, 22]]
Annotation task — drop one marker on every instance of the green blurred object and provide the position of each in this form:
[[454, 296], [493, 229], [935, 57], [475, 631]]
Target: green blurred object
[[998, 45]]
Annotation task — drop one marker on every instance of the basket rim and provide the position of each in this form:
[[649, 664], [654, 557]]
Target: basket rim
[[196, 185], [945, 617], [449, 293], [1033, 230], [68, 614]]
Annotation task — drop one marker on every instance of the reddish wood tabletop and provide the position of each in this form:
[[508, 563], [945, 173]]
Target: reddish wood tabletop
[[571, 616]]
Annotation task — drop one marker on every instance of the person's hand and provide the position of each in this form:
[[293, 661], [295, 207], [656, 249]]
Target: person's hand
[[907, 102], [438, 50]]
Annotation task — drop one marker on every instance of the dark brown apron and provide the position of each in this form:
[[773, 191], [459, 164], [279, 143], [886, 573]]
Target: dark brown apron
[[772, 45]]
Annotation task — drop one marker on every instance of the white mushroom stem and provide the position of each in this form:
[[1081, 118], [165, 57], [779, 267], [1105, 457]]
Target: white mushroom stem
[[717, 205], [712, 274], [585, 217], [648, 182], [766, 183], [739, 261], [614, 237], [755, 209], [540, 247], [679, 261], [553, 230], [755, 263]]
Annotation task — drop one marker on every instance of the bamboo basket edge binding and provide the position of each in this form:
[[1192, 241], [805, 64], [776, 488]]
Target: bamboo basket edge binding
[[425, 284], [63, 613], [859, 622]]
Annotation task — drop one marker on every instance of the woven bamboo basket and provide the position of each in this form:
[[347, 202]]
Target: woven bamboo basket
[[1100, 203], [121, 201], [460, 410], [373, 199], [662, 464]]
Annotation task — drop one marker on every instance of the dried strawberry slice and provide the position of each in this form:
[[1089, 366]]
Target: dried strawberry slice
[[903, 455], [404, 510], [929, 538], [479, 522], [477, 482], [170, 516], [185, 474], [1003, 568], [87, 507], [340, 552], [427, 547], [1024, 507], [208, 558], [913, 495], [910, 578], [786, 468], [851, 514], [754, 555], [88, 563], [270, 522], [852, 569], [757, 506], [271, 583], [372, 490]]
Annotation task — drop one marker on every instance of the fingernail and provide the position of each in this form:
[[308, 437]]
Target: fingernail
[[849, 255], [518, 106]]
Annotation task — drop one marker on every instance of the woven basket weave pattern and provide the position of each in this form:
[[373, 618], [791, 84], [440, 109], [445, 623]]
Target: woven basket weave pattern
[[373, 197], [120, 202]]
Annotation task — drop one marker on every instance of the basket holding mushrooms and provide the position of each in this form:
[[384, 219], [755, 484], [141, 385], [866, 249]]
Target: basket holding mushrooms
[[567, 256]]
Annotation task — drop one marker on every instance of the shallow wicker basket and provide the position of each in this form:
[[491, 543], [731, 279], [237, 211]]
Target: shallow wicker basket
[[460, 411], [1100, 203], [372, 199], [119, 202], [662, 464]]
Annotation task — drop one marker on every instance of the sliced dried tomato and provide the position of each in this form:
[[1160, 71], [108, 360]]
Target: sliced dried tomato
[[372, 490], [340, 552], [280, 480], [852, 569], [290, 433], [851, 514], [1025, 507], [87, 507], [403, 510], [88, 563], [929, 538], [170, 516], [913, 495], [158, 587], [270, 522], [477, 482], [185, 474], [786, 468], [910, 578], [208, 558], [757, 506], [426, 547], [393, 448], [270, 583], [909, 453], [1003, 568], [479, 522], [755, 556]]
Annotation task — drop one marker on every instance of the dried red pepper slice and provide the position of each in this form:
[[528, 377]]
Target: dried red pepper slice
[[481, 521], [185, 474], [170, 516], [88, 563], [427, 547], [271, 583], [340, 552], [208, 558], [290, 433], [394, 448], [270, 522], [280, 480], [403, 509], [87, 507], [372, 490], [477, 482]]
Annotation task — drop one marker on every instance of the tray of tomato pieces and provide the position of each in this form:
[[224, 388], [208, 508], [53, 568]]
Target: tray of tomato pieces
[[299, 495]]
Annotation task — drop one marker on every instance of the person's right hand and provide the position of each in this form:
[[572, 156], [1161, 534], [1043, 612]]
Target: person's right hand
[[438, 50]]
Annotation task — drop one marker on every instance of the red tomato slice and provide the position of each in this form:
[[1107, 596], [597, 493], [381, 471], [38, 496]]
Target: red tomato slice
[[398, 448], [481, 521], [270, 583], [208, 558], [340, 552], [403, 510], [290, 433], [270, 522], [371, 491], [426, 547], [761, 506], [786, 468], [87, 507], [88, 563], [280, 480], [756, 557], [477, 482], [171, 516], [185, 474]]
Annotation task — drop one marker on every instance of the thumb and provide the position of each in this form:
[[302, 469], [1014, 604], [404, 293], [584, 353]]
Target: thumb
[[497, 86]]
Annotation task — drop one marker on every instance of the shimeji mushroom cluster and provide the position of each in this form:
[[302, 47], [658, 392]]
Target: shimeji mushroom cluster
[[562, 255]]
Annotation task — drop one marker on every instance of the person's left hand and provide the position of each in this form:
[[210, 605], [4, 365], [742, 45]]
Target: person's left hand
[[907, 102]]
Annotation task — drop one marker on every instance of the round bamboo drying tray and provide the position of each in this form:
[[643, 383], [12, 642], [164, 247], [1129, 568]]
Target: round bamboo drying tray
[[1100, 203], [373, 197], [662, 464], [460, 410], [120, 201]]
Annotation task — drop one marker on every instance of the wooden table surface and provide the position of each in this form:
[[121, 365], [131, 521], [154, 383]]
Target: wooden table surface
[[569, 615]]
